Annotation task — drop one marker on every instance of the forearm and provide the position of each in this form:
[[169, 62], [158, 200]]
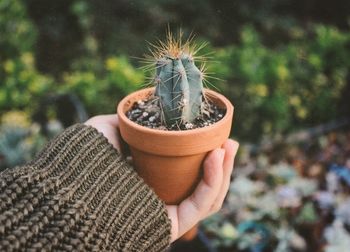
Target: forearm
[[79, 194]]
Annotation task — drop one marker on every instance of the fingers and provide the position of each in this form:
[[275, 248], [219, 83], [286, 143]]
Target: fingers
[[210, 184], [230, 148], [111, 120], [209, 194], [197, 206]]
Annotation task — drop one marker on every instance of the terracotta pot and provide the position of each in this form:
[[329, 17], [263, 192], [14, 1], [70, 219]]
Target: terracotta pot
[[170, 161]]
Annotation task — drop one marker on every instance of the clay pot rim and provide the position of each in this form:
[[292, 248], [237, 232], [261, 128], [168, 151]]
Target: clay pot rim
[[228, 106]]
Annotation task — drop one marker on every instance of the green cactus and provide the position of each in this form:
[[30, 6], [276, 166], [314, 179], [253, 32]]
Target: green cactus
[[178, 83]]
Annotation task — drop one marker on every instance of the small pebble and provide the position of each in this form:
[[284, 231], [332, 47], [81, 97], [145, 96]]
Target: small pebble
[[162, 128], [147, 113], [189, 125]]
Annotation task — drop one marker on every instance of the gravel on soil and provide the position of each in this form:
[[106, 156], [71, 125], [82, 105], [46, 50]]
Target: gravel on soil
[[148, 113]]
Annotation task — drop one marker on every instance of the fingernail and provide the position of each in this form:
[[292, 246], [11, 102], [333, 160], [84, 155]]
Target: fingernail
[[236, 146], [221, 153]]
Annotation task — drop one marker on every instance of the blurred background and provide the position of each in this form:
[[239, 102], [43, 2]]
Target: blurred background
[[284, 64]]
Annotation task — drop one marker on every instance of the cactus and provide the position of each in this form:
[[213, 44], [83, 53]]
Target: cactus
[[179, 83]]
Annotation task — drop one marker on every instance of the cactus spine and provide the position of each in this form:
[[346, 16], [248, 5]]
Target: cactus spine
[[178, 82]]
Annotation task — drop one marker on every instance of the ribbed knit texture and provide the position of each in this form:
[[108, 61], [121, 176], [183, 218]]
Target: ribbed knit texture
[[80, 195]]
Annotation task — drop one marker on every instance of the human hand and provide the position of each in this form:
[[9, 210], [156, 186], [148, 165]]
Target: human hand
[[210, 193]]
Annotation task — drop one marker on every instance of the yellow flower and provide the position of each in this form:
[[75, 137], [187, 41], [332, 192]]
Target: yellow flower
[[294, 100], [27, 59], [282, 72], [15, 117], [9, 66], [259, 90], [112, 64], [302, 112]]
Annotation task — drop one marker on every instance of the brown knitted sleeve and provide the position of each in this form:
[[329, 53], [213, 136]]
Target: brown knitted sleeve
[[78, 194]]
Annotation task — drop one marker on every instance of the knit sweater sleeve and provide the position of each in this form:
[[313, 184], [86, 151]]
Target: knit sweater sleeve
[[79, 194]]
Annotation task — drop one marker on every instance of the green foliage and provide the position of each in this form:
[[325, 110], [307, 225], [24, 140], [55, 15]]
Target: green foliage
[[282, 71], [293, 85], [100, 91], [120, 26], [18, 34], [22, 86]]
